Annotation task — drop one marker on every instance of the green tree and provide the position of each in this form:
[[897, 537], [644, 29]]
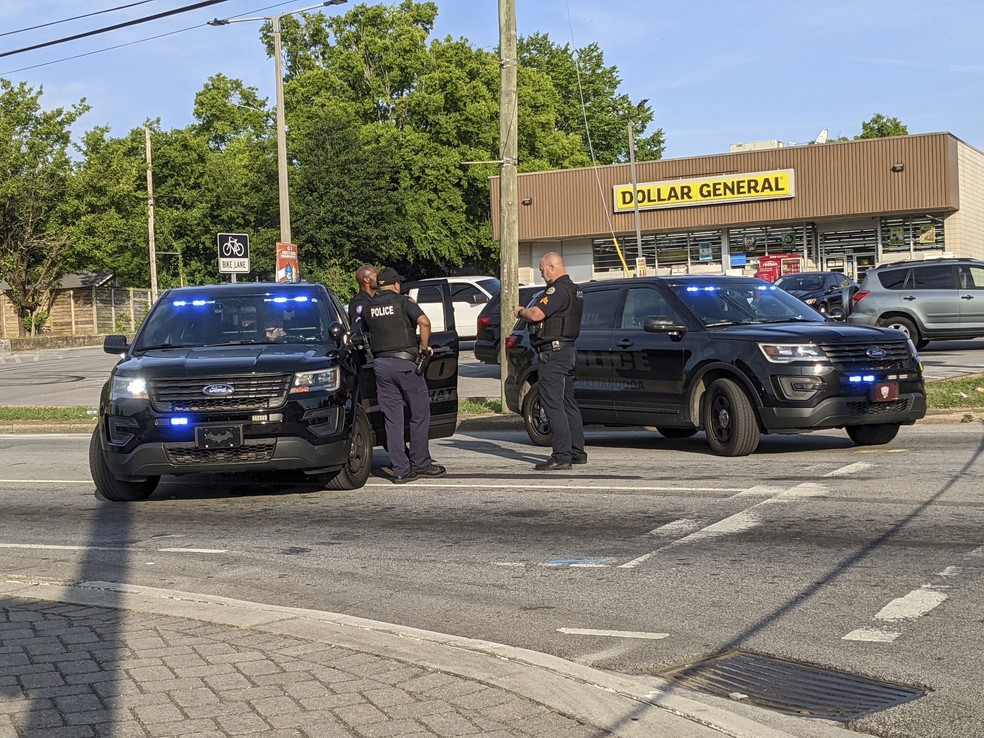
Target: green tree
[[35, 175], [881, 127]]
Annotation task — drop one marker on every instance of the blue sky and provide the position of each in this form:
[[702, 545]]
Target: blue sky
[[715, 72]]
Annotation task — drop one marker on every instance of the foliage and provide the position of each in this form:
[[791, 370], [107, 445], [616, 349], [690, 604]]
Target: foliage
[[881, 127], [35, 173]]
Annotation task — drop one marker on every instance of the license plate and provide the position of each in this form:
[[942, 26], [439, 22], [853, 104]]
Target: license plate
[[219, 436], [885, 392]]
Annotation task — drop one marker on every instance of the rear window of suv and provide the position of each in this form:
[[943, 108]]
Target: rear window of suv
[[893, 279]]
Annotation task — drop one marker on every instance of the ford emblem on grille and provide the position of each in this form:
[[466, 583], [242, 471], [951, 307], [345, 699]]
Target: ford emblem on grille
[[218, 390], [876, 352]]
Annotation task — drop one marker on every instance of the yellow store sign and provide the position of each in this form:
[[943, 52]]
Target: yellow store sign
[[675, 193]]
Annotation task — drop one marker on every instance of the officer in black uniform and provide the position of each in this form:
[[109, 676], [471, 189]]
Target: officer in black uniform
[[365, 275], [555, 321], [391, 320]]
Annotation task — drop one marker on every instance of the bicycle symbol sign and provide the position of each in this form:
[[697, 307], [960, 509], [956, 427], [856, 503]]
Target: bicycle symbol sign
[[233, 252]]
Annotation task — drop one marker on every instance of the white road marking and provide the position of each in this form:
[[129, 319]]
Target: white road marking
[[914, 605], [761, 490], [683, 525], [45, 481], [950, 571], [871, 635], [56, 547], [614, 633], [977, 552], [470, 485], [858, 466]]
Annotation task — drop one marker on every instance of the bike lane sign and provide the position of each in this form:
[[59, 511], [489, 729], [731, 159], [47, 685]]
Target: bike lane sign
[[233, 253]]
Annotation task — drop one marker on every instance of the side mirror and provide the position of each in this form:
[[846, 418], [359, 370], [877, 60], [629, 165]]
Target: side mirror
[[479, 299], [654, 324], [336, 330], [115, 344]]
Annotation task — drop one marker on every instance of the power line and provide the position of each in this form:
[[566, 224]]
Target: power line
[[138, 41], [77, 17], [127, 24]]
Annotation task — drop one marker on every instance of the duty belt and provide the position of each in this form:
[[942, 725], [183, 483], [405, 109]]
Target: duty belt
[[407, 354]]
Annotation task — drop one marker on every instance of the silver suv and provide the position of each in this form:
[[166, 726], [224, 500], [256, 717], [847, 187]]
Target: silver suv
[[932, 299]]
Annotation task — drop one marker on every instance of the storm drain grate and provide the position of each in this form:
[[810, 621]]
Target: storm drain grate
[[791, 687]]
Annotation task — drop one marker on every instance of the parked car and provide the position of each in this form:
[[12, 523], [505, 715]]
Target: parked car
[[926, 300], [468, 296], [829, 293], [735, 357], [488, 329], [248, 377]]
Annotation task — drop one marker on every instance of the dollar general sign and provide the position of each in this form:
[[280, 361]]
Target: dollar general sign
[[675, 193]]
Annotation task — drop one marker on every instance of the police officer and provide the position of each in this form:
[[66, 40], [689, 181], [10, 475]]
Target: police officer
[[391, 320], [366, 277], [555, 321]]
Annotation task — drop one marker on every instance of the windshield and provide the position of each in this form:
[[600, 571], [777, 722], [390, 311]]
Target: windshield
[[190, 319], [742, 302], [804, 282]]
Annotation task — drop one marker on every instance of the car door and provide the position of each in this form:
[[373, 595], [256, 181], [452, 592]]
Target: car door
[[648, 367], [467, 299], [593, 376], [441, 373], [970, 279], [931, 294]]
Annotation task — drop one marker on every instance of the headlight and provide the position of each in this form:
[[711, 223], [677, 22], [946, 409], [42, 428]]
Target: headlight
[[810, 301], [323, 380], [784, 353], [128, 388]]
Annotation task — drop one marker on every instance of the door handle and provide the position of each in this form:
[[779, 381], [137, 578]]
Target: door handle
[[909, 298], [624, 343], [966, 297]]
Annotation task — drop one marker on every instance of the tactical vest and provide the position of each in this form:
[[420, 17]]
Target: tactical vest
[[388, 325], [564, 325]]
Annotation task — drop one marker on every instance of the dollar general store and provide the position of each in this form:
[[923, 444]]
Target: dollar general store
[[840, 206]]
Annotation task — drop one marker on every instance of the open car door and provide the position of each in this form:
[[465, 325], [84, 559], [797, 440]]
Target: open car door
[[441, 372]]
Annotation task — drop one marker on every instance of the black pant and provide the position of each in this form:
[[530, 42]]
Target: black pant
[[397, 383], [557, 398]]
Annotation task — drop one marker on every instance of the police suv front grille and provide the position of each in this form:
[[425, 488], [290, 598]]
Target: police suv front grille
[[249, 392], [855, 357], [879, 408], [191, 455]]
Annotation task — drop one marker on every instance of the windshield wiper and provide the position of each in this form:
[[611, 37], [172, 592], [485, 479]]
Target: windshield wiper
[[165, 346], [721, 323]]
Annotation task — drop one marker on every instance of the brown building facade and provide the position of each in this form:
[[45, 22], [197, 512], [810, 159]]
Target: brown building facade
[[836, 206]]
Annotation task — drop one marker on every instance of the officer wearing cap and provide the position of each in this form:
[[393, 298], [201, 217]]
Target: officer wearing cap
[[392, 320], [555, 321]]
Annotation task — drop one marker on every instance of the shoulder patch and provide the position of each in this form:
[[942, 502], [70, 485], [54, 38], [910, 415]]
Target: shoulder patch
[[358, 309], [551, 290], [410, 299]]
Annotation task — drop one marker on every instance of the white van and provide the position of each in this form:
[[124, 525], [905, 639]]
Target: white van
[[468, 297]]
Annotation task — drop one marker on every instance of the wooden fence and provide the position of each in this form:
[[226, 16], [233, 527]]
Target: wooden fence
[[84, 311]]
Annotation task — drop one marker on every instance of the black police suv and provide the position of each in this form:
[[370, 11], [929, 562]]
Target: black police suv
[[248, 378], [735, 357], [488, 332]]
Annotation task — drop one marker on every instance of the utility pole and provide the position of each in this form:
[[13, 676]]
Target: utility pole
[[151, 243], [281, 137], [508, 184], [635, 198]]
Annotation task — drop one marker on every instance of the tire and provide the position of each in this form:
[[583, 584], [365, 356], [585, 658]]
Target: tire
[[729, 420], [902, 324], [873, 435], [676, 432], [356, 471], [113, 489], [535, 419]]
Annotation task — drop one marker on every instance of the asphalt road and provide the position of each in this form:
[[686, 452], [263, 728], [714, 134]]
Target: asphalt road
[[656, 554]]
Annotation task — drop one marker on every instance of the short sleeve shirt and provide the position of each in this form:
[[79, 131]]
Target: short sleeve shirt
[[554, 300]]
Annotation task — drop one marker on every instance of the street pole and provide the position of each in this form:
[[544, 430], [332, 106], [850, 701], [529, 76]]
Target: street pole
[[635, 197], [281, 135], [151, 243], [508, 183]]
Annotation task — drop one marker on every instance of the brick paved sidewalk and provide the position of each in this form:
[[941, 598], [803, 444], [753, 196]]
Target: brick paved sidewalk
[[106, 659]]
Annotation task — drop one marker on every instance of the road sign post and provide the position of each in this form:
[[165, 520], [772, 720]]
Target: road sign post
[[233, 253]]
